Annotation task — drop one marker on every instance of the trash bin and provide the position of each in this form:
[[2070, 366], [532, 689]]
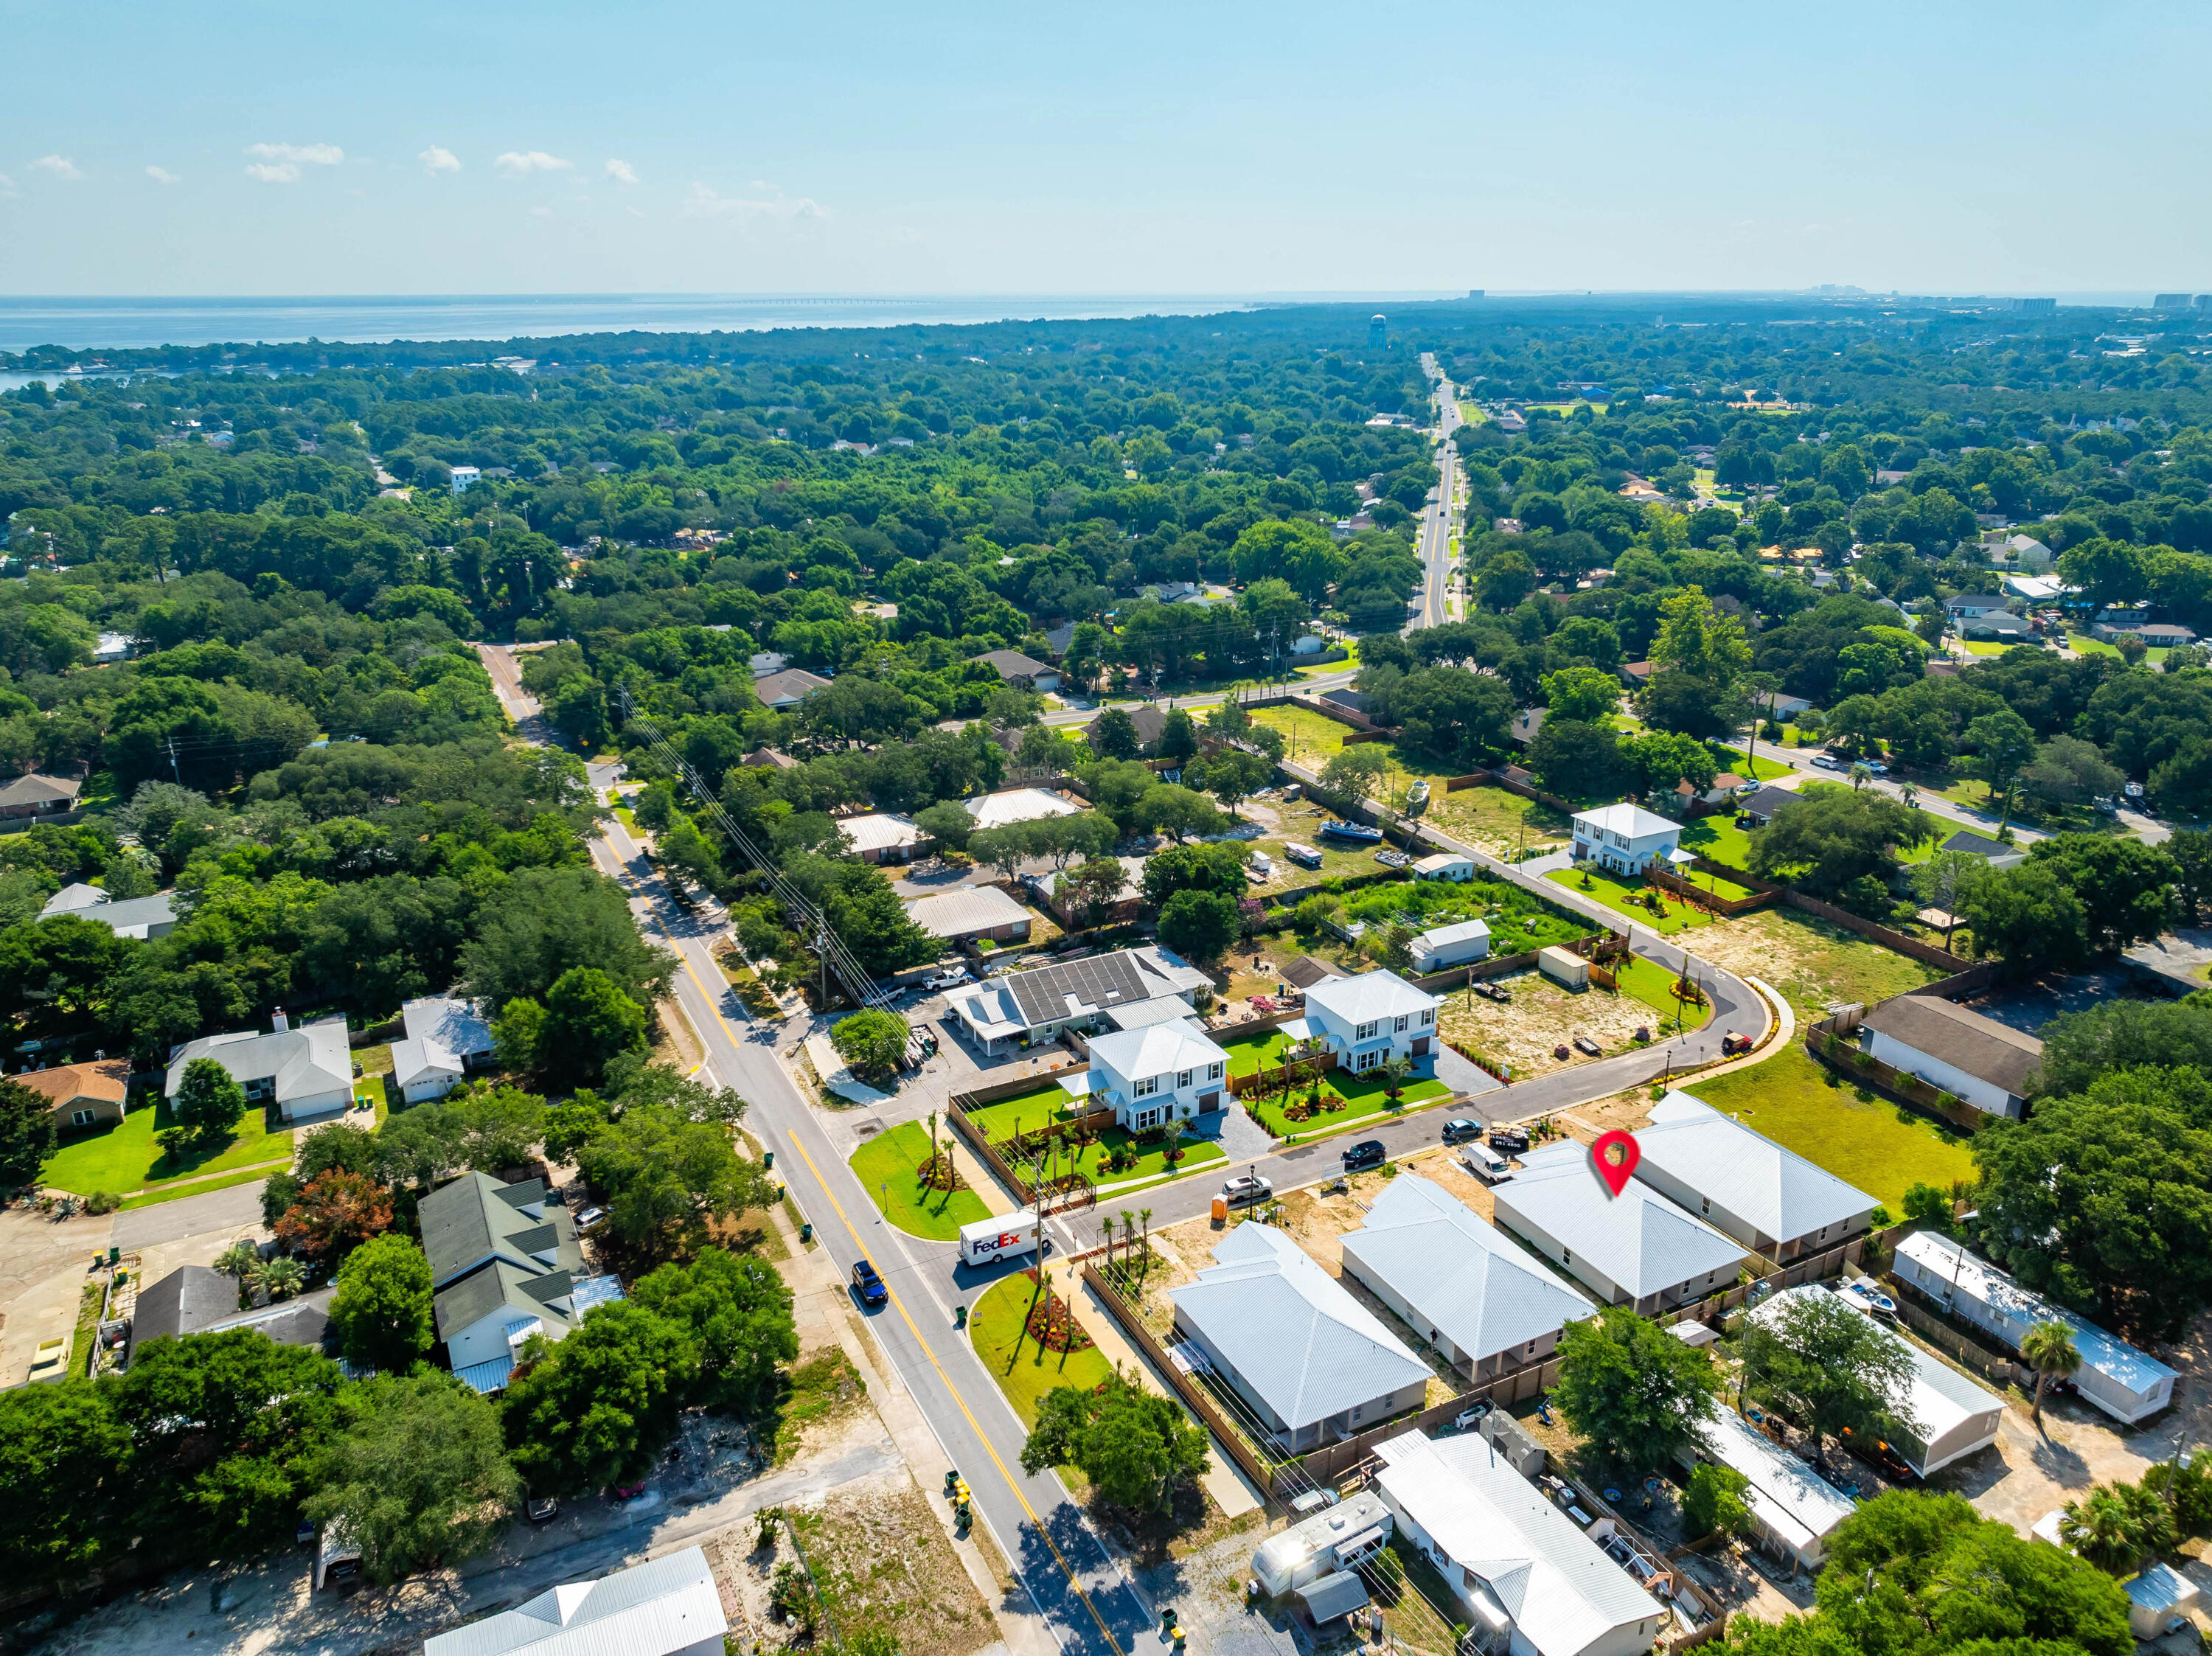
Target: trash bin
[[806, 1233], [768, 1161]]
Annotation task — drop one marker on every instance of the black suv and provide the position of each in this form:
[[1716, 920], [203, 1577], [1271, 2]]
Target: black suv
[[1369, 1153]]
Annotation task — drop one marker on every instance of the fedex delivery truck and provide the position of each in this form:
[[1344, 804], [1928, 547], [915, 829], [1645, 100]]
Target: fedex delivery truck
[[1003, 1236]]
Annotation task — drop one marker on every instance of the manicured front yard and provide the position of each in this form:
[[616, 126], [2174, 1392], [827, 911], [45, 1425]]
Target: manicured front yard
[[123, 1156], [1760, 769], [1025, 1371], [1654, 985], [1881, 1148], [888, 1163], [1000, 1122], [1718, 840]]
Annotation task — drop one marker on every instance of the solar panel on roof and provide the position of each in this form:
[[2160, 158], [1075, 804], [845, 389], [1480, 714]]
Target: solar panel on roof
[[1106, 981]]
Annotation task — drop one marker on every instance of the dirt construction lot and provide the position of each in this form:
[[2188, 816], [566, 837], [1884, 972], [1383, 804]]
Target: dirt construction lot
[[1811, 961], [1541, 1017]]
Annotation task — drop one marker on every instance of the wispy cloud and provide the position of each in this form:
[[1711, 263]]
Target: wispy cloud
[[622, 172], [704, 202], [7, 185], [162, 175], [438, 158], [520, 163], [60, 166], [280, 163], [310, 154]]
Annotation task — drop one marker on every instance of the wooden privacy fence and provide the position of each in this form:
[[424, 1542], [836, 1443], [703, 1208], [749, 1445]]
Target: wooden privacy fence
[[1491, 779], [1267, 1081], [1862, 1069], [1938, 1333], [1926, 953], [1333, 1460], [1805, 1268], [1194, 1396], [1711, 902]]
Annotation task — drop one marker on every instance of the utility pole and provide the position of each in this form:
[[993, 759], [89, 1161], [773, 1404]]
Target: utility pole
[[174, 774]]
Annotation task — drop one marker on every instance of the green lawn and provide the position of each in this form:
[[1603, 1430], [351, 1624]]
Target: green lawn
[[1881, 1148], [886, 1164], [1653, 983], [1718, 840], [1362, 1098], [1000, 1122], [1615, 894], [1759, 769], [1025, 1370], [195, 1187], [122, 1156], [1350, 663], [2082, 644]]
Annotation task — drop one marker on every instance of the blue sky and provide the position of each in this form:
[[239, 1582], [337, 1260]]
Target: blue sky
[[1189, 148]]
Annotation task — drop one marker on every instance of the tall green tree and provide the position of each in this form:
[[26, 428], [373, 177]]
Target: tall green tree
[[1632, 1390], [1135, 1446], [1829, 1369], [417, 1473], [381, 1312], [27, 1134], [209, 1103], [739, 1313], [595, 1409]]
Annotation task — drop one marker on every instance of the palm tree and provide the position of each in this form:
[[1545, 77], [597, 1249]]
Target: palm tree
[[2116, 1527], [2049, 1349], [1110, 1245], [241, 1259], [281, 1277], [1860, 777], [1145, 1253], [1909, 794]]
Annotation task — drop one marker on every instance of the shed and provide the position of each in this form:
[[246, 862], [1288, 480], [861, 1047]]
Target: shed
[[1988, 1063], [1564, 966], [1445, 865], [1445, 946], [1332, 1597], [2159, 1601]]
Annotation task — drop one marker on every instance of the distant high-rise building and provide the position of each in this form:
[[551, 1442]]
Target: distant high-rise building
[[2170, 302], [1474, 293], [2204, 301], [2033, 307], [1378, 330]]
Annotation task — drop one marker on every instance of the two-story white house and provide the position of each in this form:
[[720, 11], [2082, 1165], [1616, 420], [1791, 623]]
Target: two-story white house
[[1370, 1019], [1157, 1073], [1623, 837]]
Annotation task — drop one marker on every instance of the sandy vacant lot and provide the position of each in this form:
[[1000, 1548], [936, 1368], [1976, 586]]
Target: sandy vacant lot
[[1541, 1017], [1811, 961]]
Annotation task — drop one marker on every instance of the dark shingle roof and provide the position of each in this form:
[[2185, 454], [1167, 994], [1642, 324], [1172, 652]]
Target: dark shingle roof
[[1965, 1039], [187, 1299]]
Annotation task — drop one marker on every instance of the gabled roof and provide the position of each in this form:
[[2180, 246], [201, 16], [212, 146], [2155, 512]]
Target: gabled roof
[[1378, 994], [1979, 845], [472, 1220], [1563, 1593], [443, 1034], [301, 1062], [1979, 1046], [1781, 1485], [1442, 936], [194, 1299], [1776, 1191], [1156, 1049], [1637, 1240], [37, 790], [1150, 719], [654, 1608], [1305, 972], [1017, 806], [1935, 1398], [792, 684], [965, 911], [1298, 1338], [1630, 821], [1460, 1275], [1011, 665], [879, 831], [131, 917], [108, 1080]]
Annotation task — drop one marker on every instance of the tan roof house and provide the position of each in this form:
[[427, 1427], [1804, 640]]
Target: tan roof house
[[83, 1094]]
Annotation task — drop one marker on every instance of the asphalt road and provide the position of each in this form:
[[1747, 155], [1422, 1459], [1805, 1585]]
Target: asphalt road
[[1435, 545], [1073, 1582]]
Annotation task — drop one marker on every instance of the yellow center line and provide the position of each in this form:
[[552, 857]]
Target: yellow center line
[[1073, 1581]]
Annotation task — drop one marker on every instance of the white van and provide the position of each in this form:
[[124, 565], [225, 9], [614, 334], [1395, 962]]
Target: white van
[[1485, 1163], [1002, 1236]]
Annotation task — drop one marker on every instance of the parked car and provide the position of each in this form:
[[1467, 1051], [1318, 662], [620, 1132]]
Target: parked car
[[869, 1286], [542, 1509], [1246, 1187], [1368, 1153], [951, 978], [1828, 762], [2133, 790], [590, 1217], [1455, 1130], [1876, 768]]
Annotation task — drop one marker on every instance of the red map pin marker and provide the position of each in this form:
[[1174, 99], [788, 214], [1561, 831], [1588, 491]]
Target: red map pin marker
[[1615, 1156]]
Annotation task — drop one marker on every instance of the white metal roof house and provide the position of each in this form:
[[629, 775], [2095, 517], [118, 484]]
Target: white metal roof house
[[1531, 1582], [504, 1265], [1309, 1360], [446, 1039], [1623, 838], [1443, 947], [1794, 1509], [1951, 1416], [970, 911], [1771, 1200], [1449, 1274], [780, 692], [2127, 1384], [1157, 1073], [1445, 865], [307, 1071], [128, 917], [1027, 1008], [664, 1607], [880, 836], [1019, 805], [1373, 1016], [1989, 1065], [1636, 1249]]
